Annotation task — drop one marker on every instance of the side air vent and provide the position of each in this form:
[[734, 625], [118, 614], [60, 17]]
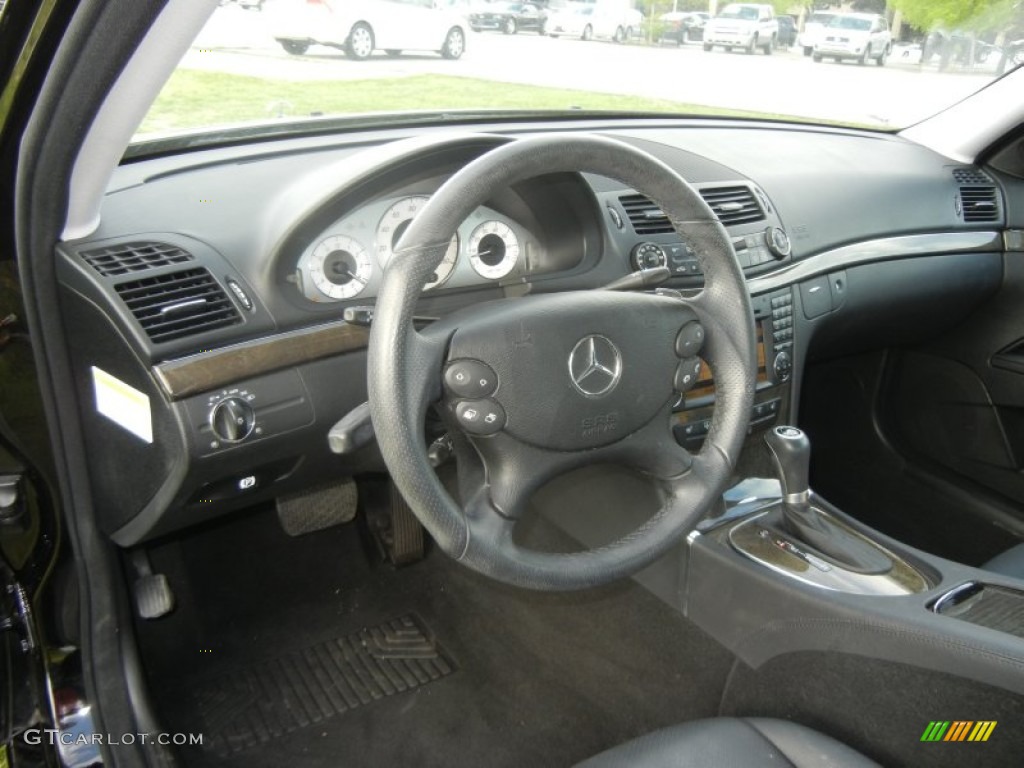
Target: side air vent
[[978, 200], [645, 216], [134, 257], [179, 304], [733, 205]]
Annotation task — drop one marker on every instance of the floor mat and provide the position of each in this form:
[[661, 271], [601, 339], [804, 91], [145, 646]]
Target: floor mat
[[303, 688], [541, 680]]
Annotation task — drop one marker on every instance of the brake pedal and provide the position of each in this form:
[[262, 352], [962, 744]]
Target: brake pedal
[[396, 529], [316, 510], [152, 591]]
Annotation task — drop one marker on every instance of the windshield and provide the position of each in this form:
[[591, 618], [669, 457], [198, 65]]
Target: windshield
[[739, 12], [820, 18], [849, 22], [283, 65]]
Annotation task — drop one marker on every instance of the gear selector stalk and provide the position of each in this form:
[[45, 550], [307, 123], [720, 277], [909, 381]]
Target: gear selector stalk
[[790, 450]]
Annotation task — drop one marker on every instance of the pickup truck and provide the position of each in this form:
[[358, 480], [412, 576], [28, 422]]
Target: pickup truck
[[743, 25]]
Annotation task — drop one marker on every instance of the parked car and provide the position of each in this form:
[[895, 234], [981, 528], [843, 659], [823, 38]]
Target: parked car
[[360, 27], [743, 25], [860, 36], [613, 20], [787, 31], [682, 26], [813, 27], [509, 18]]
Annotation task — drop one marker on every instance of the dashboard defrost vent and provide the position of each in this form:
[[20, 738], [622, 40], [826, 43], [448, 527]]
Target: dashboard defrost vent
[[134, 257], [178, 304], [733, 205], [978, 198], [645, 216]]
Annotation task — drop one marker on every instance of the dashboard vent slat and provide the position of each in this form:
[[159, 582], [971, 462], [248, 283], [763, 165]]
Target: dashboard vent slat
[[733, 205], [645, 216], [179, 304], [124, 258], [978, 198]]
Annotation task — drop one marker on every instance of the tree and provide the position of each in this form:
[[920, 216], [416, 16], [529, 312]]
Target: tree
[[975, 15]]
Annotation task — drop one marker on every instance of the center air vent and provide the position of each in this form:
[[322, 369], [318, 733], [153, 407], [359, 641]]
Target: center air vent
[[645, 216], [179, 304], [733, 205], [978, 197], [123, 258]]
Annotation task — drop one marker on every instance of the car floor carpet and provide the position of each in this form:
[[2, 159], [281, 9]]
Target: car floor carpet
[[307, 652]]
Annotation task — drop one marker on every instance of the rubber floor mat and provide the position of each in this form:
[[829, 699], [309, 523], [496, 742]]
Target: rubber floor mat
[[267, 700]]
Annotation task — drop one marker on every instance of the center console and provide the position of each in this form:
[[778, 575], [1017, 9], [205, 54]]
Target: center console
[[781, 571]]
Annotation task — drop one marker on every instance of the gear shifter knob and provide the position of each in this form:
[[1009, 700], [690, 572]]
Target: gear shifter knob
[[791, 451]]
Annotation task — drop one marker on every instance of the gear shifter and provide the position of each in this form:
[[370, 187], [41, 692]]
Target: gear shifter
[[791, 452]]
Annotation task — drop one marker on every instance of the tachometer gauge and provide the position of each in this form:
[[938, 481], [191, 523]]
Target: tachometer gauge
[[392, 226], [339, 267], [493, 249]]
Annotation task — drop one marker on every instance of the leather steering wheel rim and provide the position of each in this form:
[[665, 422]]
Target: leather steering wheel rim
[[405, 374]]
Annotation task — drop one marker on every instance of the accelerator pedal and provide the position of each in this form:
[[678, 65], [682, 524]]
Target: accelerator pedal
[[398, 533], [311, 511]]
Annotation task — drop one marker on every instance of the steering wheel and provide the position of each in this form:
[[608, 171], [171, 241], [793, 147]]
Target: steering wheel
[[537, 386]]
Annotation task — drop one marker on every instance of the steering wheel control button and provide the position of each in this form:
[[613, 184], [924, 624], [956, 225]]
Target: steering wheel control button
[[232, 419], [687, 374], [480, 417], [595, 366], [470, 379], [690, 340]]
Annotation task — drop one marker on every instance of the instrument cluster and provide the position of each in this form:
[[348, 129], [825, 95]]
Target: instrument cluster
[[348, 260]]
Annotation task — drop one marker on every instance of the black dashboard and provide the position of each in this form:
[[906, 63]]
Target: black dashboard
[[206, 314]]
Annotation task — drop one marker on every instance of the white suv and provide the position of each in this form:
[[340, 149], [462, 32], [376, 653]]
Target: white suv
[[814, 26], [743, 25], [860, 36]]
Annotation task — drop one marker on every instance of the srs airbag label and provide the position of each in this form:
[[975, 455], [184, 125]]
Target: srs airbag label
[[122, 404]]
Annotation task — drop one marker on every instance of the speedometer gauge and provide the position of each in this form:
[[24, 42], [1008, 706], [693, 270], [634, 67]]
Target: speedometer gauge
[[339, 267], [493, 249], [392, 226]]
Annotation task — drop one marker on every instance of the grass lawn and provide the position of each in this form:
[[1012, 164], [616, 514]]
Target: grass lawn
[[194, 98]]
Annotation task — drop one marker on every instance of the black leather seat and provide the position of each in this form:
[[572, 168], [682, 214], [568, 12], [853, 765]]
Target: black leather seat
[[1009, 563], [729, 742]]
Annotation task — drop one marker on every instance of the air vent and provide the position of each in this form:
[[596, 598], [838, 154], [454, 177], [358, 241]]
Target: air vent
[[733, 205], [134, 257], [179, 304], [645, 216], [978, 200]]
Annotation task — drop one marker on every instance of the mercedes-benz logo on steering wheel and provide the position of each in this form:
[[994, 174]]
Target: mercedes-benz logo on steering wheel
[[595, 366]]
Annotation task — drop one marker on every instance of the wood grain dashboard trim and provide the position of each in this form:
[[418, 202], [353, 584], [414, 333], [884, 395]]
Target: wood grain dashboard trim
[[204, 371]]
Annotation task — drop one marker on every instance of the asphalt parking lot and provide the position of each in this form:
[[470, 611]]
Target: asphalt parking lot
[[240, 41]]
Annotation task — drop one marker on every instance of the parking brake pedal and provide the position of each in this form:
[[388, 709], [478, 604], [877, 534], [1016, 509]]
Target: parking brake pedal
[[315, 510], [153, 595]]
